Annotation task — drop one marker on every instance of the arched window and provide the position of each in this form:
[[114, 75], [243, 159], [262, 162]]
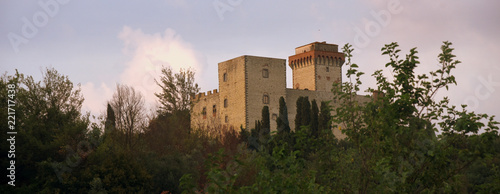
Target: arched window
[[204, 112], [226, 119], [265, 98], [214, 110], [225, 103], [224, 77], [265, 73], [327, 69]]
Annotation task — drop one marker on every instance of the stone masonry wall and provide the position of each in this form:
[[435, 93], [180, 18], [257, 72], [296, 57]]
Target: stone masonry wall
[[303, 77], [200, 101], [232, 89], [258, 86]]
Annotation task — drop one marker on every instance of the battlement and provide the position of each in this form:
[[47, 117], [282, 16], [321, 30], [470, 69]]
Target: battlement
[[317, 46], [319, 53], [202, 95], [247, 83]]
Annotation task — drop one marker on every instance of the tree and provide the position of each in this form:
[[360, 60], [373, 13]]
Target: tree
[[298, 113], [314, 119], [282, 120], [254, 139], [266, 125], [394, 136], [306, 111], [110, 123], [50, 127], [324, 117], [129, 108], [176, 90]]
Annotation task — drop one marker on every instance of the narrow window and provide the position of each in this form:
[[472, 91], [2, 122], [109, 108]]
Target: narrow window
[[327, 69], [225, 103], [224, 77], [265, 99], [214, 110], [204, 112], [265, 73], [226, 119]]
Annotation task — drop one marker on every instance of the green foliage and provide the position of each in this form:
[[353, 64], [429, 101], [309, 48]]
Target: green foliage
[[298, 115], [394, 135], [266, 123], [282, 122], [306, 111], [110, 123], [50, 129], [265, 132], [314, 119], [324, 117], [391, 145], [177, 89], [303, 116]]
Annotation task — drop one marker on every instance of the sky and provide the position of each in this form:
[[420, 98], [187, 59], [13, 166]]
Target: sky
[[99, 44]]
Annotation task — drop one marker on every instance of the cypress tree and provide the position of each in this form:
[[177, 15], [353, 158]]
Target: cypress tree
[[266, 123], [324, 116], [298, 115], [253, 140], [282, 120], [265, 126], [110, 123], [306, 111], [314, 118]]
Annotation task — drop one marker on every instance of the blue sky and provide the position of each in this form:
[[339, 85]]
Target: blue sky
[[101, 43]]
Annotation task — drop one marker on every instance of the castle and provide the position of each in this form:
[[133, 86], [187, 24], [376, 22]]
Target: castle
[[247, 83]]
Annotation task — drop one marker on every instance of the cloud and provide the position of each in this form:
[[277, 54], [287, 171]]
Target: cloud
[[149, 52], [146, 54], [95, 97]]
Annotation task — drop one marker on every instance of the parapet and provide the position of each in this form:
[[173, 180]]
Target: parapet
[[202, 95], [317, 46]]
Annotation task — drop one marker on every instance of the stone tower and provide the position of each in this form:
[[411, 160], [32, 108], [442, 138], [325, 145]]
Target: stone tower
[[316, 66], [247, 84]]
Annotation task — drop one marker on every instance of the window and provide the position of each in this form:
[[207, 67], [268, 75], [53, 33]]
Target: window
[[265, 99], [226, 119], [327, 69], [224, 77], [275, 116], [265, 73], [204, 112], [214, 110], [328, 78], [225, 103]]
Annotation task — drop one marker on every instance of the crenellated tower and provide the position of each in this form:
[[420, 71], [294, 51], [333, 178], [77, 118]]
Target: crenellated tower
[[316, 66]]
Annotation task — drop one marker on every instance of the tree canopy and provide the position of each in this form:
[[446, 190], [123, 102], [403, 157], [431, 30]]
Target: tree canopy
[[400, 140]]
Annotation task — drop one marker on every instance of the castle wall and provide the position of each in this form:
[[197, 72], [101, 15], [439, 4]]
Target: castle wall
[[291, 101], [232, 89], [199, 119], [247, 83], [258, 86]]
